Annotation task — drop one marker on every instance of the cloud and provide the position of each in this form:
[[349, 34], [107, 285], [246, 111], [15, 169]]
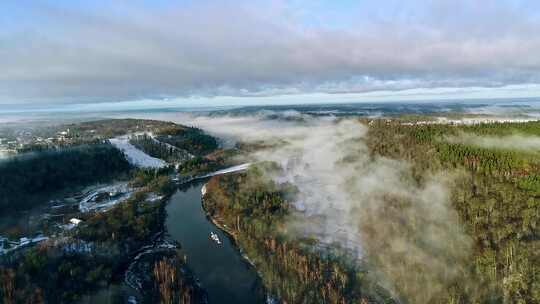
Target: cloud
[[122, 52]]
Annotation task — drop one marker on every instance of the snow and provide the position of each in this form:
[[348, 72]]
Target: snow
[[135, 156], [75, 221], [232, 169], [3, 243], [67, 226], [116, 194], [271, 299], [14, 245], [132, 300], [153, 197], [69, 245], [203, 190], [131, 278], [4, 154]]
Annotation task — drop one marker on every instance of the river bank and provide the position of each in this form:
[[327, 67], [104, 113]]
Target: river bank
[[253, 210], [233, 236], [221, 269]]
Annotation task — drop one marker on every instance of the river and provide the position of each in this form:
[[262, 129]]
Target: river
[[226, 276], [223, 272]]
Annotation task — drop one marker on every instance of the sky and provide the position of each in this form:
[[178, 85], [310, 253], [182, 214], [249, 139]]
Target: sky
[[66, 52]]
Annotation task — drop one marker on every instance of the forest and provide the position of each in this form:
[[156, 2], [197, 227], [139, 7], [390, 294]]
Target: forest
[[26, 178], [157, 149], [175, 143], [191, 139], [107, 128], [97, 253], [253, 209], [193, 151], [496, 194]]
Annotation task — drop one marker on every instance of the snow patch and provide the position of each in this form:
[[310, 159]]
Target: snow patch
[[203, 190], [104, 198], [232, 169], [7, 246], [153, 197], [135, 156]]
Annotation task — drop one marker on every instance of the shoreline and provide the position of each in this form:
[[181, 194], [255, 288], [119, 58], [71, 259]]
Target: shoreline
[[233, 237]]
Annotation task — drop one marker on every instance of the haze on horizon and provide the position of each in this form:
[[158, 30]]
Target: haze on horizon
[[58, 53]]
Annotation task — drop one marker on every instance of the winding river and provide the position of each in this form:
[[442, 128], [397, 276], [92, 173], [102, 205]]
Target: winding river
[[223, 272]]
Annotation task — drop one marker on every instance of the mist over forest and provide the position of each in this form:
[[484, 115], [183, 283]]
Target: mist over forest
[[277, 152]]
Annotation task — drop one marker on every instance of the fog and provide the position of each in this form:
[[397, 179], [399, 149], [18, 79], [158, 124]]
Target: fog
[[347, 198], [508, 142]]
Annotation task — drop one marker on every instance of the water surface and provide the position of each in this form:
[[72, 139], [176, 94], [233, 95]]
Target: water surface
[[223, 272]]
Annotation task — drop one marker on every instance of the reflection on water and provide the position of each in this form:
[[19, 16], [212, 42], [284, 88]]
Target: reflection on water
[[226, 276]]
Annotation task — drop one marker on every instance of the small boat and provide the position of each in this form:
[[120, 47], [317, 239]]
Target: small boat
[[214, 237]]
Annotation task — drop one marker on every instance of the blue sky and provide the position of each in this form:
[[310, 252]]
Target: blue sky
[[248, 52]]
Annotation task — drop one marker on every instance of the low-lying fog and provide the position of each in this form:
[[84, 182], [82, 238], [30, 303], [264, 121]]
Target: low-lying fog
[[368, 205], [508, 142]]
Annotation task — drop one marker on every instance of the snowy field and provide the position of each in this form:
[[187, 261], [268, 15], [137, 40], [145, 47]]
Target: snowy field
[[135, 156]]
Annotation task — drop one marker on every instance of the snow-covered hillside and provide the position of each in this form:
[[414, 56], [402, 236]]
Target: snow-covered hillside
[[135, 156]]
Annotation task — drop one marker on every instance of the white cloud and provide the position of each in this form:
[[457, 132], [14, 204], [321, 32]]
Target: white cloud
[[134, 52]]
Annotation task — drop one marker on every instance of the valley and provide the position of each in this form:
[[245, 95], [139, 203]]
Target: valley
[[290, 226]]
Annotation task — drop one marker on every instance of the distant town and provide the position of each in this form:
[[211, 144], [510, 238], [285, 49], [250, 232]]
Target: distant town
[[24, 141]]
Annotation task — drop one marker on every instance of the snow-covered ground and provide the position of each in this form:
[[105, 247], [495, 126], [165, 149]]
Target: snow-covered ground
[[203, 190], [135, 156], [5, 154], [69, 245], [153, 197], [104, 198], [132, 276], [7, 246], [232, 169]]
